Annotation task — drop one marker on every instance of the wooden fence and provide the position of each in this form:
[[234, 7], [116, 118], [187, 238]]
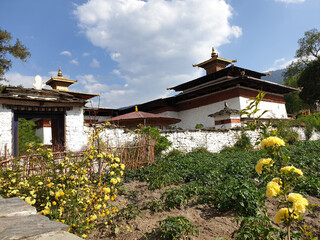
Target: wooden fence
[[133, 157]]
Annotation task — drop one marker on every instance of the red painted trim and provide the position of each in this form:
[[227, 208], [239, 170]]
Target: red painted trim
[[225, 121]]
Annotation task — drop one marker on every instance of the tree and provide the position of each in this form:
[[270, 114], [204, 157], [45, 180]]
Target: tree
[[6, 48], [27, 134], [309, 49], [309, 80]]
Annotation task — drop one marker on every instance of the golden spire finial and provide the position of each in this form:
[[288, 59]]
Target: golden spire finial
[[213, 53], [136, 108], [60, 73]]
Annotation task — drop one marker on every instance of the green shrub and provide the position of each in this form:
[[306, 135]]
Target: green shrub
[[176, 228], [255, 228], [162, 142], [243, 142]]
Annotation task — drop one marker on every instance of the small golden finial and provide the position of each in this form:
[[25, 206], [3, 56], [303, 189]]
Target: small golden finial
[[60, 73], [136, 108], [213, 53]]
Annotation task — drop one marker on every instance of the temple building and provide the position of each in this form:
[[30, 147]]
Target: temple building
[[58, 114], [198, 100]]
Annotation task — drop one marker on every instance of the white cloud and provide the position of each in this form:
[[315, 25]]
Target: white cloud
[[95, 63], [16, 79], [66, 53], [291, 1], [155, 42], [85, 54], [280, 64], [74, 61]]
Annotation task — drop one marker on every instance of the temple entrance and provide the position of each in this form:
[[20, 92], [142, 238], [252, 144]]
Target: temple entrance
[[57, 128]]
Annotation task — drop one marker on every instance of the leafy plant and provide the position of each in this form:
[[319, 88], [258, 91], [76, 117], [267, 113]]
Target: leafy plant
[[243, 142], [251, 112], [176, 228], [155, 206], [162, 142], [131, 211], [199, 126], [255, 228]]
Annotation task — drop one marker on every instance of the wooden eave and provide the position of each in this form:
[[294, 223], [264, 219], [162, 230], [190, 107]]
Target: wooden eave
[[101, 112], [66, 81], [250, 82], [44, 97], [209, 61], [231, 71], [85, 96]]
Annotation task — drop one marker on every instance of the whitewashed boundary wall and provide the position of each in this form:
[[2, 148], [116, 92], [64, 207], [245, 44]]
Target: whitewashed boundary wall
[[76, 137], [187, 140], [6, 124]]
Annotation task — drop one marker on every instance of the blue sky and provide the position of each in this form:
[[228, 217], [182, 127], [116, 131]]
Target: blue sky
[[130, 51]]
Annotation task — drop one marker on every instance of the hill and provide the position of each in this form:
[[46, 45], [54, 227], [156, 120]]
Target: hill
[[276, 76]]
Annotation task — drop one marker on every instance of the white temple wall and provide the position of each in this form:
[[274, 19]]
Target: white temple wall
[[6, 124], [275, 110], [191, 117]]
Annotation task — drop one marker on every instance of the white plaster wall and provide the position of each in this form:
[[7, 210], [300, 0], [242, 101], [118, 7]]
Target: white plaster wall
[[76, 138], [213, 141], [275, 110], [46, 134], [6, 133], [191, 117]]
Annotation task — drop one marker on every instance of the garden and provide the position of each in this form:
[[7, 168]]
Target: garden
[[268, 192]]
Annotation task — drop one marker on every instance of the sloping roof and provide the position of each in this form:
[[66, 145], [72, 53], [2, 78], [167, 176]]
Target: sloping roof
[[139, 115], [231, 71], [24, 96]]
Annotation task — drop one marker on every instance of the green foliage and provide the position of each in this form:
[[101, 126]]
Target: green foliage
[[155, 206], [309, 45], [309, 48], [174, 153], [310, 122], [176, 228], [255, 228], [309, 80], [162, 142], [27, 134], [199, 126], [294, 104], [177, 197], [285, 131], [131, 211], [243, 142], [226, 181], [252, 110], [6, 48], [65, 191]]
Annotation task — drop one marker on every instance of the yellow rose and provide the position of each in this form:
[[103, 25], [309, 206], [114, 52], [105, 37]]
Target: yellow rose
[[272, 142], [282, 214], [262, 162], [273, 189], [291, 169]]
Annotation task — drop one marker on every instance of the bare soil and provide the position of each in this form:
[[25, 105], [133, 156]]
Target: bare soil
[[211, 223]]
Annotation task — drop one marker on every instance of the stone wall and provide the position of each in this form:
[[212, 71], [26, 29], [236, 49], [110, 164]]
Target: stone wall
[[187, 140], [6, 124]]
